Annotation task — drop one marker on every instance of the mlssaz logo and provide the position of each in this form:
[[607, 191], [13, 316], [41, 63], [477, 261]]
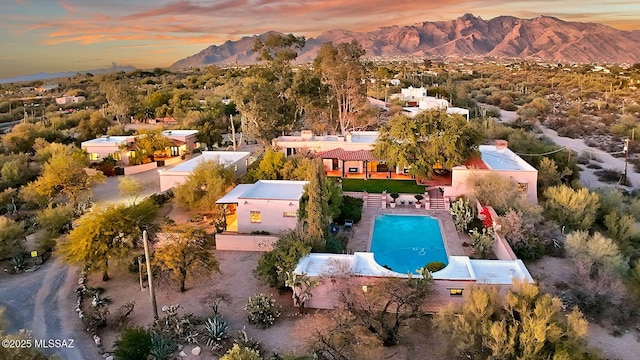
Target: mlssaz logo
[[54, 343]]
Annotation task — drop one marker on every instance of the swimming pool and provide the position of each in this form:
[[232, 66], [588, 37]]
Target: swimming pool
[[406, 243]]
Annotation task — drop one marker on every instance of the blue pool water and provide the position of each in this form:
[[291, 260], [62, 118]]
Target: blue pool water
[[406, 243]]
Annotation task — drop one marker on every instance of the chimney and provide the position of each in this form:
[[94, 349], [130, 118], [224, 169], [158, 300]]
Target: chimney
[[306, 134], [501, 145], [348, 137]]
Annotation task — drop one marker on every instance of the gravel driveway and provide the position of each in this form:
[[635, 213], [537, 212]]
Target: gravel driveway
[[44, 302]]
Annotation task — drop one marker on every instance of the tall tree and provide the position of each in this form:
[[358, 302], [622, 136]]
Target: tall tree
[[387, 304], [317, 221], [266, 98], [121, 98], [107, 234], [342, 71], [430, 140], [65, 175], [184, 252], [208, 182]]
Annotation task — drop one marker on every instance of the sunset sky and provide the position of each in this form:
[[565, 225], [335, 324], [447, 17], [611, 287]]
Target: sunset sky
[[71, 35]]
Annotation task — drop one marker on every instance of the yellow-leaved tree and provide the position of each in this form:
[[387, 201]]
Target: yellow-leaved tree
[[523, 324], [185, 252], [107, 234]]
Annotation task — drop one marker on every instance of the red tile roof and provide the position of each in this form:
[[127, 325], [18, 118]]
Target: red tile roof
[[341, 154]]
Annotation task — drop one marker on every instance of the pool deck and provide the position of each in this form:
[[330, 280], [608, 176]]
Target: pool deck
[[360, 237]]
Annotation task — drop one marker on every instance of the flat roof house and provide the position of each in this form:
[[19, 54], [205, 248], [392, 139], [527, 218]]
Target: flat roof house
[[500, 159], [236, 160], [108, 145], [267, 205], [185, 141]]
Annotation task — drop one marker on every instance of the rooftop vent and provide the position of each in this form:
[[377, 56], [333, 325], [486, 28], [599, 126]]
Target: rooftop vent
[[306, 134]]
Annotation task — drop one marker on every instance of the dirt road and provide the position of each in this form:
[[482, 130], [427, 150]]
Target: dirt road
[[44, 302]]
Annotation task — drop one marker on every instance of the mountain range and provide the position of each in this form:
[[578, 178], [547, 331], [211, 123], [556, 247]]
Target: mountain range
[[47, 76], [542, 38]]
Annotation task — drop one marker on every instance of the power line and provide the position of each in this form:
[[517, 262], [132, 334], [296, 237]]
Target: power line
[[543, 154]]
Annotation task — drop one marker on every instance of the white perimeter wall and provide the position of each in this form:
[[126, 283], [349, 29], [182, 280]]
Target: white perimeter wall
[[169, 180], [245, 242], [271, 212]]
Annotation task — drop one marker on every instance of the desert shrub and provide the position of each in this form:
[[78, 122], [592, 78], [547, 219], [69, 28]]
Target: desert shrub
[[284, 257], [509, 107], [435, 266], [609, 176], [177, 327], [599, 265], [482, 242], [262, 310], [575, 209], [54, 221], [594, 166], [238, 352], [120, 318], [133, 344], [351, 208], [496, 191], [10, 234], [333, 245], [462, 213]]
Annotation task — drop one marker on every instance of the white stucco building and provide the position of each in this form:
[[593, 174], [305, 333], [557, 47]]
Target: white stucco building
[[417, 100], [236, 160], [501, 160], [268, 205], [107, 145], [64, 100]]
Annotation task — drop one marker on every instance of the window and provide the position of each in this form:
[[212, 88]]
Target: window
[[455, 291], [289, 214], [94, 156], [255, 217], [117, 156], [235, 168]]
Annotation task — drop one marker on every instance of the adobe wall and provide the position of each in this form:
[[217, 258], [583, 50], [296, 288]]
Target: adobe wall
[[242, 242]]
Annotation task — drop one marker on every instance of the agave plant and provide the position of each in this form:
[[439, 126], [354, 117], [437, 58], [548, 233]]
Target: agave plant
[[18, 261], [161, 347], [215, 329]]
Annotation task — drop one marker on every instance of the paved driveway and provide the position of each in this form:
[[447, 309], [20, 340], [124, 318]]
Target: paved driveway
[[108, 192]]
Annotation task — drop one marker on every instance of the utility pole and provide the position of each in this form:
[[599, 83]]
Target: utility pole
[[233, 133], [152, 293], [626, 160]]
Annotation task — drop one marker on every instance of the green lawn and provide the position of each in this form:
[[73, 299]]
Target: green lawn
[[378, 186]]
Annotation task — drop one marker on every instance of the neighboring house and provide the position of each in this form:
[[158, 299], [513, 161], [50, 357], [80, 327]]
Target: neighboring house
[[343, 156], [266, 206], [44, 88], [236, 160], [122, 148], [350, 157], [118, 147], [416, 101], [499, 159], [64, 100], [185, 141]]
